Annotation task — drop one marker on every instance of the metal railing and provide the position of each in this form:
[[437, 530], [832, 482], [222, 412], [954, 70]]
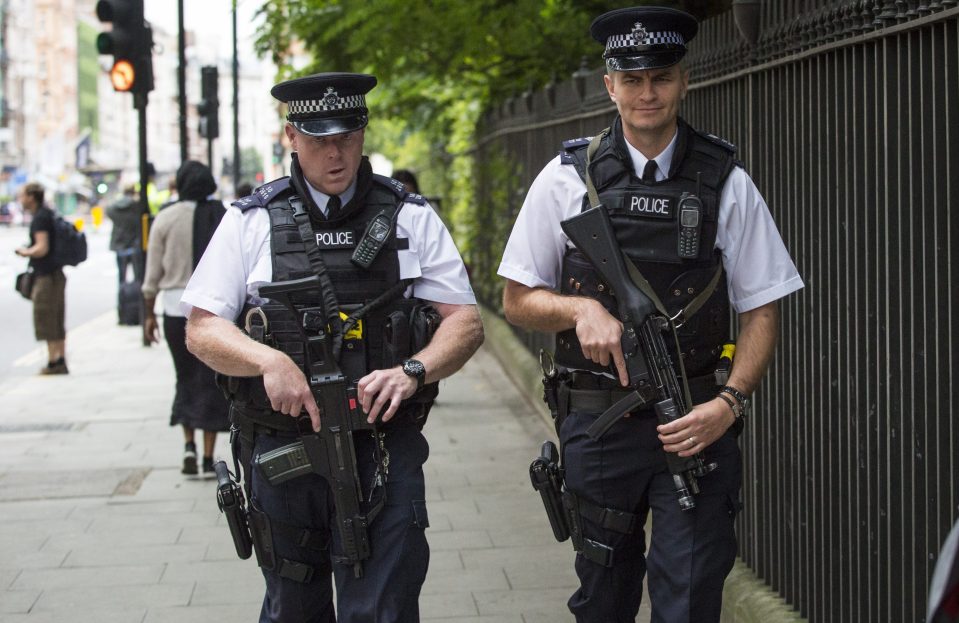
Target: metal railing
[[846, 115]]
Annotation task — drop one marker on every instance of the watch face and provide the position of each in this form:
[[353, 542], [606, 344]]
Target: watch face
[[413, 367]]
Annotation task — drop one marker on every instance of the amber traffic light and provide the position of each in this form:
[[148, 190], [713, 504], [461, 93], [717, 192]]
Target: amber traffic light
[[130, 41]]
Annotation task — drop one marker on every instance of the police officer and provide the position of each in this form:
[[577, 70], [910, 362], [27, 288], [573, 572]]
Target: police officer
[[640, 168], [267, 237]]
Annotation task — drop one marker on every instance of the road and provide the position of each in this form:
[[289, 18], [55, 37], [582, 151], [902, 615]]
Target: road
[[91, 292]]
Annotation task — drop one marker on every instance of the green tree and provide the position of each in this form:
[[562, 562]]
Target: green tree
[[440, 64]]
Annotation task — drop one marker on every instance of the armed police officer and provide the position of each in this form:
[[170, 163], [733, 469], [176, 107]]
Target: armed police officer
[[391, 301], [645, 170]]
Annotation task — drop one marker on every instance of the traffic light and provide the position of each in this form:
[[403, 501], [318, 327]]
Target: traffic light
[[277, 152], [209, 103], [130, 41]]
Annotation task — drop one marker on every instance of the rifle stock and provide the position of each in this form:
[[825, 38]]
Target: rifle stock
[[592, 233]]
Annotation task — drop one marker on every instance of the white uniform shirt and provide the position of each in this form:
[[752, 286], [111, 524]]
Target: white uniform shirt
[[238, 260], [758, 267]]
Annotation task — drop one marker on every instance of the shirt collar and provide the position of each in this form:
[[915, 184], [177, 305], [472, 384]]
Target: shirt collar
[[663, 160], [321, 199]]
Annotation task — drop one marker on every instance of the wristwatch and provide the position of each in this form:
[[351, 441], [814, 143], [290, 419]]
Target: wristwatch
[[414, 368]]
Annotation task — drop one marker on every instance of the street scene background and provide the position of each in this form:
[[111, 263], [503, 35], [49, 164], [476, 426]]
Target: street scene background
[[842, 111]]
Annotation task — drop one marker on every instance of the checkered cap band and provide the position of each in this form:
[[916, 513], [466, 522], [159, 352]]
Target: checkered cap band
[[616, 43], [326, 104]]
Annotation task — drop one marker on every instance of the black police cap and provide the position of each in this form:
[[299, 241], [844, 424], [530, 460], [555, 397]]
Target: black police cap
[[327, 103], [643, 37]]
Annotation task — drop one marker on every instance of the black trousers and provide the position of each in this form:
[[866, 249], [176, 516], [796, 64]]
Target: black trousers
[[691, 552], [389, 590]]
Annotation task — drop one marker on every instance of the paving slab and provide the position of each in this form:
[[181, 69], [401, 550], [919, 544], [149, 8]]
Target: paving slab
[[101, 526]]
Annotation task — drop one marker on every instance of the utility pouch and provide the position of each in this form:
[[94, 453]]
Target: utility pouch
[[547, 479], [396, 342], [262, 538], [555, 389], [424, 320]]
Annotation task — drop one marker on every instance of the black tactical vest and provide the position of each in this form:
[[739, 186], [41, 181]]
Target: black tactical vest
[[385, 335], [645, 218]]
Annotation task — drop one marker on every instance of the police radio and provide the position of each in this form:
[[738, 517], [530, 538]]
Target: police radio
[[690, 224], [372, 241]]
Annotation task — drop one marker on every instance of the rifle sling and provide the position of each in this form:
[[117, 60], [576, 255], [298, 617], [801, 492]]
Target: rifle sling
[[640, 281], [331, 307], [695, 304]]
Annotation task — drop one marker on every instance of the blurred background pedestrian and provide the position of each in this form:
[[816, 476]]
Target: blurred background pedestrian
[[125, 213], [409, 180], [179, 235], [49, 283], [244, 190]]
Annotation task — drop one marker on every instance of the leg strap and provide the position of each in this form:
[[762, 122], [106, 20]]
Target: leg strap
[[607, 518]]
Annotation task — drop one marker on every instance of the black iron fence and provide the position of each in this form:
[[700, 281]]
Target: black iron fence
[[846, 115]]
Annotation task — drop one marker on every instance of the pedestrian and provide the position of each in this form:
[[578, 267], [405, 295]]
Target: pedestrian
[[648, 162], [244, 190], [408, 178], [178, 238], [403, 279], [49, 286], [126, 216]]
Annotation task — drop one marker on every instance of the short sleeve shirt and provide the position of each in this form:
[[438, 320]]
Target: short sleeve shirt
[[758, 268], [238, 260], [43, 221]]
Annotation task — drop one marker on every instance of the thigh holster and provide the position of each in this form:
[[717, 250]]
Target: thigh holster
[[262, 527], [609, 519]]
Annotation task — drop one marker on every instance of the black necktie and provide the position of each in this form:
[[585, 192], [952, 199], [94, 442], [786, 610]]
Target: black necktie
[[649, 172], [332, 207]]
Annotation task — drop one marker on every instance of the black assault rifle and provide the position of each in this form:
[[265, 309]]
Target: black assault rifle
[[330, 452], [649, 364]]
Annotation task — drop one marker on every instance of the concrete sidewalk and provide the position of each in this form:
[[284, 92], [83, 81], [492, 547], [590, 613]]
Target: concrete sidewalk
[[99, 525]]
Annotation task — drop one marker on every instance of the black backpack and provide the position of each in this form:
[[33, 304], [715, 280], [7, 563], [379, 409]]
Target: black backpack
[[69, 245]]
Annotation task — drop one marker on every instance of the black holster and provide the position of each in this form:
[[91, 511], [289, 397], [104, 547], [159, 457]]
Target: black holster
[[547, 478]]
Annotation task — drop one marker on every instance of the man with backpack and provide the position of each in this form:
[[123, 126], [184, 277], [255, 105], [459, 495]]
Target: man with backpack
[[49, 283]]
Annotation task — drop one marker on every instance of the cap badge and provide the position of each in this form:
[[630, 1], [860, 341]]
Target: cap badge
[[331, 98], [639, 32]]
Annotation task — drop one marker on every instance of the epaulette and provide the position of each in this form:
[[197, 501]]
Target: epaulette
[[576, 142], [263, 195], [415, 198], [570, 145], [399, 189], [395, 185], [712, 138]]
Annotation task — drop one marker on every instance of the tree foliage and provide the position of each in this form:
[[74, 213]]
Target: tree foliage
[[440, 63], [487, 48]]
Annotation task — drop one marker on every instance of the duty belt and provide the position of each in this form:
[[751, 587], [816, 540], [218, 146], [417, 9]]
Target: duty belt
[[596, 393]]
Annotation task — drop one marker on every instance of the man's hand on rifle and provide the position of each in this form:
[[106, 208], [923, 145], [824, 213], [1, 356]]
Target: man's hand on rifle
[[288, 389], [698, 429], [599, 334], [380, 386]]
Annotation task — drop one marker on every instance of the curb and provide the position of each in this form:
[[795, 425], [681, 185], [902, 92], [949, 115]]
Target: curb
[[746, 597]]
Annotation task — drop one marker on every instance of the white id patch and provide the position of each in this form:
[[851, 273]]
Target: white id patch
[[336, 239], [656, 206]]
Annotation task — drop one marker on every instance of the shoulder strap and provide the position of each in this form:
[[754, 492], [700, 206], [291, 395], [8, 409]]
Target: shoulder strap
[[590, 152], [637, 277], [331, 307]]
